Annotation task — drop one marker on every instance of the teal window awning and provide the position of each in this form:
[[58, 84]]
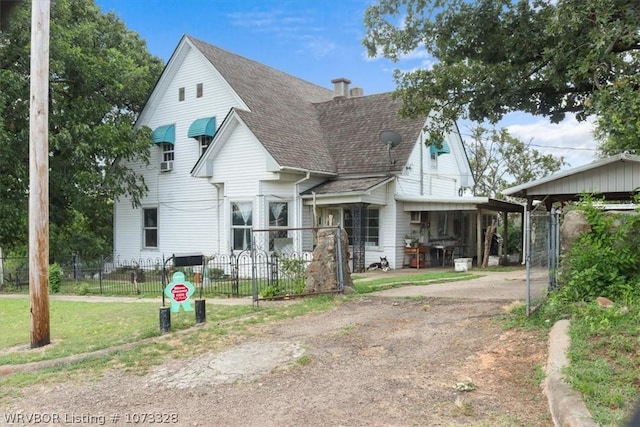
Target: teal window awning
[[443, 149], [202, 127], [166, 133]]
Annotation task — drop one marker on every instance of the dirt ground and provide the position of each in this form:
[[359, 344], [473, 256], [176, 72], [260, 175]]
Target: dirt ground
[[374, 361]]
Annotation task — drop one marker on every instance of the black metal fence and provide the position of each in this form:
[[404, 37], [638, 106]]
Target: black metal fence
[[250, 273]]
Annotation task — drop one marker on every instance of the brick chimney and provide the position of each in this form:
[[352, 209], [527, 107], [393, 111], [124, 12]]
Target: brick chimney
[[340, 87], [356, 92]]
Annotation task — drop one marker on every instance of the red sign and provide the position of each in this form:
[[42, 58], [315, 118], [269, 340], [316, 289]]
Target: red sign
[[179, 292]]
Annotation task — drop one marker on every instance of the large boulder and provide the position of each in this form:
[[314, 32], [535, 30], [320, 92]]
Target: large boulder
[[322, 274], [574, 223]]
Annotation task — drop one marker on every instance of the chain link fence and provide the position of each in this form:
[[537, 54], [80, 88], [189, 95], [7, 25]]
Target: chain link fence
[[542, 238]]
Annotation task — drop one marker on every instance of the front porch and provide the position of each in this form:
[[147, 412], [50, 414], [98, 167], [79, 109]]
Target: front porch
[[440, 231]]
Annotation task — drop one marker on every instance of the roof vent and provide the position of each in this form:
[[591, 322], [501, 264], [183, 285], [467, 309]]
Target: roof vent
[[340, 87]]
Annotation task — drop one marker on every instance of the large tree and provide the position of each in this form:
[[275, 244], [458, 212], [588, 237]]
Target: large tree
[[544, 57], [500, 160], [100, 77]]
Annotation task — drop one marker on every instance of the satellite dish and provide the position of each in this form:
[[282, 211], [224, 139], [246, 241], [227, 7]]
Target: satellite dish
[[390, 138]]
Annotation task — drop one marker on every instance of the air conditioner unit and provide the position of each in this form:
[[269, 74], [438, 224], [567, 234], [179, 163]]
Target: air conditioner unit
[[166, 166]]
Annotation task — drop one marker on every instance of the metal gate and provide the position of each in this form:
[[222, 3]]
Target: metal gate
[[542, 242], [280, 258]]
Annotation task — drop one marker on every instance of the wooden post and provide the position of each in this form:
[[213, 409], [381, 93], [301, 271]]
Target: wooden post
[[39, 174]]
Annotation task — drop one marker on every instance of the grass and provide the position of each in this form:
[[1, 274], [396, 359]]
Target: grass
[[604, 363], [81, 327], [365, 286], [604, 366]]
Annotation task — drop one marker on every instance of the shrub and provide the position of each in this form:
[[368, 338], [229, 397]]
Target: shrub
[[55, 278], [82, 289], [603, 262]]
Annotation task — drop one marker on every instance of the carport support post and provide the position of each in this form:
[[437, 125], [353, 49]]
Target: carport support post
[[505, 239], [479, 242]]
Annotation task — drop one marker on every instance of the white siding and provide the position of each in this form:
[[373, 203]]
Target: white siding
[[422, 178], [184, 203]]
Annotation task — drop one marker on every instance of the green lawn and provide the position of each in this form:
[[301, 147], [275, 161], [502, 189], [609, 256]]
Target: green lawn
[[362, 285], [80, 327]]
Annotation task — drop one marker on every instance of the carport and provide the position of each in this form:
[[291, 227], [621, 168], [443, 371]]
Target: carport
[[616, 178]]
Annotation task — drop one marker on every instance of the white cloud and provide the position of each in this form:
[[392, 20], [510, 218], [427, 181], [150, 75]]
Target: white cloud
[[570, 138], [318, 46]]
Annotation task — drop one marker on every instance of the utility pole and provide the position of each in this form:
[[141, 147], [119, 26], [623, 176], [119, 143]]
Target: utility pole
[[39, 174]]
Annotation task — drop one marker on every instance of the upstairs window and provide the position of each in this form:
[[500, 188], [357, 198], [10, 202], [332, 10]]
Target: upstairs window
[[168, 152], [203, 130], [181, 94], [204, 141], [199, 90]]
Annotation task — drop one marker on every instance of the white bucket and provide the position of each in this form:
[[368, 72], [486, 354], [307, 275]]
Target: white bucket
[[462, 264]]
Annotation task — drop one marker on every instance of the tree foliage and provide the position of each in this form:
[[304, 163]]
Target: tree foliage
[[500, 160], [100, 77], [544, 57]]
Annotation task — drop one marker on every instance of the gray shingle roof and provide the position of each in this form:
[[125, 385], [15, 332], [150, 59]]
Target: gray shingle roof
[[303, 127], [347, 185], [351, 128]]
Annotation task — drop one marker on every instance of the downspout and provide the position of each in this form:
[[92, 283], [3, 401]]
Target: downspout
[[219, 214], [421, 163], [297, 203]]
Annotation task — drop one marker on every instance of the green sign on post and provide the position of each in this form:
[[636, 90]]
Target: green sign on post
[[179, 291]]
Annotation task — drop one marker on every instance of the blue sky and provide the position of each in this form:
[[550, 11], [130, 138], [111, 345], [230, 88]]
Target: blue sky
[[316, 41]]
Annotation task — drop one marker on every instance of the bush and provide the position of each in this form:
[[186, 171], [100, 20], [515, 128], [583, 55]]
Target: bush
[[603, 262], [82, 289], [55, 278]]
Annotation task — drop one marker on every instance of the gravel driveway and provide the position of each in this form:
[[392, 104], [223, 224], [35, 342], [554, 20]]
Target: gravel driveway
[[380, 360]]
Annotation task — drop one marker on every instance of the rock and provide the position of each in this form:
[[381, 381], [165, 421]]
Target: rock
[[604, 302], [322, 271], [574, 223]]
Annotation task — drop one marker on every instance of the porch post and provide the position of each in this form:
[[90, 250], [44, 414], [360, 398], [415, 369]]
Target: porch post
[[505, 239], [479, 240], [359, 216]]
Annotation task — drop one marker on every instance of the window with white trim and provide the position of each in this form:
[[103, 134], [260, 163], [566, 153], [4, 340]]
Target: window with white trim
[[204, 141], [150, 227], [241, 224], [167, 152], [278, 217]]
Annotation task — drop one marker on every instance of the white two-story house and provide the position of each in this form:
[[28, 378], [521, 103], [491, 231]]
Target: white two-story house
[[239, 146]]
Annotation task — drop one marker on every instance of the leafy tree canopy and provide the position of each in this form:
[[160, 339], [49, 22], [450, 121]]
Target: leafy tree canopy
[[500, 160], [544, 57], [100, 77]]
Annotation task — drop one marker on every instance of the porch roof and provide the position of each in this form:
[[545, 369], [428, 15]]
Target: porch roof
[[426, 203], [338, 186]]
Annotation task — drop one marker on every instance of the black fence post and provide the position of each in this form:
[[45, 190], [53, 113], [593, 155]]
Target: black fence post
[[100, 273]]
